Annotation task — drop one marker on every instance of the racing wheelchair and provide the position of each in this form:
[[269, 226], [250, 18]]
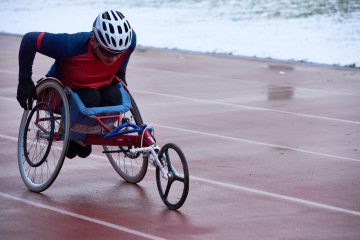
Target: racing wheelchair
[[59, 115]]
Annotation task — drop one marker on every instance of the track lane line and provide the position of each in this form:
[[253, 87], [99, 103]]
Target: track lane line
[[249, 141], [246, 107], [244, 140], [81, 216], [9, 99], [300, 201], [342, 92], [278, 196], [204, 101], [232, 104]]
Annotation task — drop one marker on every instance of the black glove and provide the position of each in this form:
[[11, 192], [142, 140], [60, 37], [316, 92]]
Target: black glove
[[26, 92]]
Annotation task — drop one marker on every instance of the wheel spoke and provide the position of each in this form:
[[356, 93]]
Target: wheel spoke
[[178, 178], [168, 162], [168, 186]]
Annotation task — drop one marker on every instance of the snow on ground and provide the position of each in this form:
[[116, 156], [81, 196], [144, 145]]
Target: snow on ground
[[268, 29]]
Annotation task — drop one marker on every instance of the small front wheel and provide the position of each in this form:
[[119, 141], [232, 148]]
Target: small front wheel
[[174, 188]]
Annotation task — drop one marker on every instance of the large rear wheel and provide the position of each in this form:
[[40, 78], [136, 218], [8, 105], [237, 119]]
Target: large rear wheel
[[43, 137], [131, 167]]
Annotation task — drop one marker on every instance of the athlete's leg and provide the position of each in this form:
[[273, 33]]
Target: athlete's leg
[[90, 98], [110, 95]]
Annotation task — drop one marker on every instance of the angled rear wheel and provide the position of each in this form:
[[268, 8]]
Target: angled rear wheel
[[43, 137], [131, 167]]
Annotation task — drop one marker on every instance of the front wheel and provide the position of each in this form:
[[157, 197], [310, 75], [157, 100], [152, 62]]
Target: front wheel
[[173, 190]]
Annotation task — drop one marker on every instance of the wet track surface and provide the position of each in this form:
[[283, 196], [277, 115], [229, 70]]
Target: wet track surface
[[273, 150]]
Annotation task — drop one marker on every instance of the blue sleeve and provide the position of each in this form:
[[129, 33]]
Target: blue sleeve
[[122, 71], [56, 46], [27, 54]]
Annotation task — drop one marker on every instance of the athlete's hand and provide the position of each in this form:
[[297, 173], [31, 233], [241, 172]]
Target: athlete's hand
[[26, 92]]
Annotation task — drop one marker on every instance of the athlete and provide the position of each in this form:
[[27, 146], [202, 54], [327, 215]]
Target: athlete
[[86, 62]]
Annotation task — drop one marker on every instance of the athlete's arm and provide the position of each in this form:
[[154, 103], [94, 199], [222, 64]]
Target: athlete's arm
[[53, 45], [56, 46], [122, 70]]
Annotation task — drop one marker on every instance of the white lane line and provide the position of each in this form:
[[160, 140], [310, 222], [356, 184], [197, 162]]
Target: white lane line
[[250, 190], [8, 137], [14, 72], [7, 72], [204, 101], [235, 105], [9, 99], [8, 90], [277, 196], [81, 216], [341, 92], [248, 141], [257, 142]]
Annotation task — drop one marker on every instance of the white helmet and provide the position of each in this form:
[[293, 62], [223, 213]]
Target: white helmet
[[112, 31]]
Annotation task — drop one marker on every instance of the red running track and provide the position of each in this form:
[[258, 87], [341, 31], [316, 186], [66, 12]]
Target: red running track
[[273, 152]]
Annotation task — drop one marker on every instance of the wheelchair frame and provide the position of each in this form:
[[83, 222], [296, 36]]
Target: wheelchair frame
[[45, 132]]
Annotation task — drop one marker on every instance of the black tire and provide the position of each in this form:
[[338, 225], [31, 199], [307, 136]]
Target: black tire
[[131, 167], [174, 190], [38, 177]]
